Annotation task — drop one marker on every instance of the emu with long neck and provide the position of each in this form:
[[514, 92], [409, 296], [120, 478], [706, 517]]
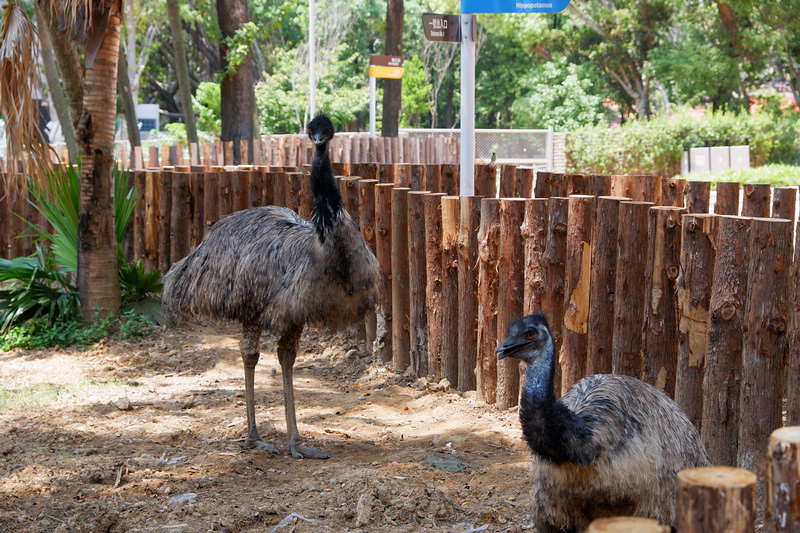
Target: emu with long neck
[[612, 445], [268, 268]]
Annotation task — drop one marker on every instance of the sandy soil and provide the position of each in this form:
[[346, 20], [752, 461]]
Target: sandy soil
[[146, 437]]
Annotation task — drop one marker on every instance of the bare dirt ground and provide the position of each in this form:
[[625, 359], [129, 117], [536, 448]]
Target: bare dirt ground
[[146, 437]]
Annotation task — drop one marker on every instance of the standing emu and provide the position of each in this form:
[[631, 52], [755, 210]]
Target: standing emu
[[611, 446], [268, 268]]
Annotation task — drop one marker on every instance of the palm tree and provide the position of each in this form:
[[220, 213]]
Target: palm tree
[[90, 26]]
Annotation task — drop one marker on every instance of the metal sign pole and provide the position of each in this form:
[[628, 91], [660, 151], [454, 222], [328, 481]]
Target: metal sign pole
[[467, 170], [372, 85]]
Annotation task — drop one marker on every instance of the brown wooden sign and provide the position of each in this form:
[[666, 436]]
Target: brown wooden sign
[[443, 28], [386, 66]]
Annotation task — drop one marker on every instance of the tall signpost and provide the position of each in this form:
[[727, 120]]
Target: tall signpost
[[381, 67], [440, 28]]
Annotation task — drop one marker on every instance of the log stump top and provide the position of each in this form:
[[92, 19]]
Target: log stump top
[[626, 524], [717, 476], [787, 434]]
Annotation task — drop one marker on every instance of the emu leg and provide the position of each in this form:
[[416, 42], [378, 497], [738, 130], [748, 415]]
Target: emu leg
[[287, 352], [249, 348]]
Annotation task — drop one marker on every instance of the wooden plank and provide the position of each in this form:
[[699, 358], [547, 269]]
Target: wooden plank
[[383, 251], [433, 281], [450, 309], [418, 326], [488, 281], [469, 223]]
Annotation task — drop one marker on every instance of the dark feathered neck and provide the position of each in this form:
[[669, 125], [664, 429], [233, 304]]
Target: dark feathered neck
[[327, 198], [552, 431]]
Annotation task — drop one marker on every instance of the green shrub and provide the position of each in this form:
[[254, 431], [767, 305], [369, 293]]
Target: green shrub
[[655, 146]]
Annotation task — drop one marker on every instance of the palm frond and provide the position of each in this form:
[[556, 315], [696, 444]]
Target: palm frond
[[19, 74]]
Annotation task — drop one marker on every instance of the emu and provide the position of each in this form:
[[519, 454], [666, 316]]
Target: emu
[[270, 269], [612, 445]]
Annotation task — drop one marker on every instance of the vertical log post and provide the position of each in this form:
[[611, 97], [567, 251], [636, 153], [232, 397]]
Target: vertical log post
[[554, 273], [694, 292], [140, 182], [486, 180], [580, 221], [524, 184], [180, 214], [756, 200], [488, 281], [783, 481], [418, 326], [511, 292], [727, 198], [450, 310], [543, 185], [716, 499], [672, 192], [723, 365], [629, 288], [534, 232], [433, 281], [383, 251], [164, 218], [784, 202], [366, 222], [766, 341], [151, 226], [698, 196], [660, 339], [198, 191], [602, 285], [469, 223], [401, 303], [792, 385], [508, 181], [449, 181], [433, 178]]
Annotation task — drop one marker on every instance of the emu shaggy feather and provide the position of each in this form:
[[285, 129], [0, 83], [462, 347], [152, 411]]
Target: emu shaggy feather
[[268, 268], [611, 446]]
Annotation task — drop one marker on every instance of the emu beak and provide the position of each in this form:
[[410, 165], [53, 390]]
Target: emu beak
[[317, 138], [506, 349]]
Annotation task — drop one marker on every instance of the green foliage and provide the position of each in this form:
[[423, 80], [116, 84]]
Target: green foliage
[[559, 95], [57, 197], [39, 333], [136, 283], [777, 175], [176, 130], [416, 87], [208, 103], [656, 145], [238, 45], [33, 287]]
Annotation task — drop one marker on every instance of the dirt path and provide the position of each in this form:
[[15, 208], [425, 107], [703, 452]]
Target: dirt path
[[145, 437]]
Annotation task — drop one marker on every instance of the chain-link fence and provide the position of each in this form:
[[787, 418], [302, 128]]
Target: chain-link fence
[[518, 147]]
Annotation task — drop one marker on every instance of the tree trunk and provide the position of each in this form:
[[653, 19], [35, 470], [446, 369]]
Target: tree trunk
[[56, 89], [392, 89], [98, 269], [716, 499], [236, 90], [184, 85], [127, 102]]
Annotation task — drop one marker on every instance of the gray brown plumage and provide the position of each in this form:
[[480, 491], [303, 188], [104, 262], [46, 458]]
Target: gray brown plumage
[[612, 445], [270, 269]]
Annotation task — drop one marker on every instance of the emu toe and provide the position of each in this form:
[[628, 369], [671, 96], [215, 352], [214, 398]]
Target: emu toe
[[304, 452]]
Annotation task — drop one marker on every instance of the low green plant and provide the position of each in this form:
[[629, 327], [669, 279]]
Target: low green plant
[[34, 287], [133, 325], [137, 283]]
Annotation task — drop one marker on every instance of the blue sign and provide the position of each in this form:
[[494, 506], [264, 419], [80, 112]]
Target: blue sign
[[513, 6]]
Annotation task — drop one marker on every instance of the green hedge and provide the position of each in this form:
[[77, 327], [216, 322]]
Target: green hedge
[[655, 146]]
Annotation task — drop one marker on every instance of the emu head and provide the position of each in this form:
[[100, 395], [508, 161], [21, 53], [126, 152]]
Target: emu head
[[528, 339], [320, 130]]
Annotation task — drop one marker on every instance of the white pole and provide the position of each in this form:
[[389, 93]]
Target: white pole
[[312, 82], [372, 88], [467, 170]]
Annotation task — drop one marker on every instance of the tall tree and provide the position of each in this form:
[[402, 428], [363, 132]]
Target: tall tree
[[237, 94], [91, 92], [393, 89], [184, 85]]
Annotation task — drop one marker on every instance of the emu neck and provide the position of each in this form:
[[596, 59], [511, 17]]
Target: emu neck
[[327, 198], [539, 378]]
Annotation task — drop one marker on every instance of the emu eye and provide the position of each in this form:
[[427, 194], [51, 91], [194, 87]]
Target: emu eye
[[329, 131], [531, 334]]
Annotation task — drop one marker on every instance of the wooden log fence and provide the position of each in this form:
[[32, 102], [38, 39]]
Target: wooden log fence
[[733, 279]]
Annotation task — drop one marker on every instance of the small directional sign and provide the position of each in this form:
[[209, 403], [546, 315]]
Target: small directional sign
[[443, 28], [513, 6], [386, 67]]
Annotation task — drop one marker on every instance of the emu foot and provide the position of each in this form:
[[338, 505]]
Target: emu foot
[[304, 452], [257, 444]]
